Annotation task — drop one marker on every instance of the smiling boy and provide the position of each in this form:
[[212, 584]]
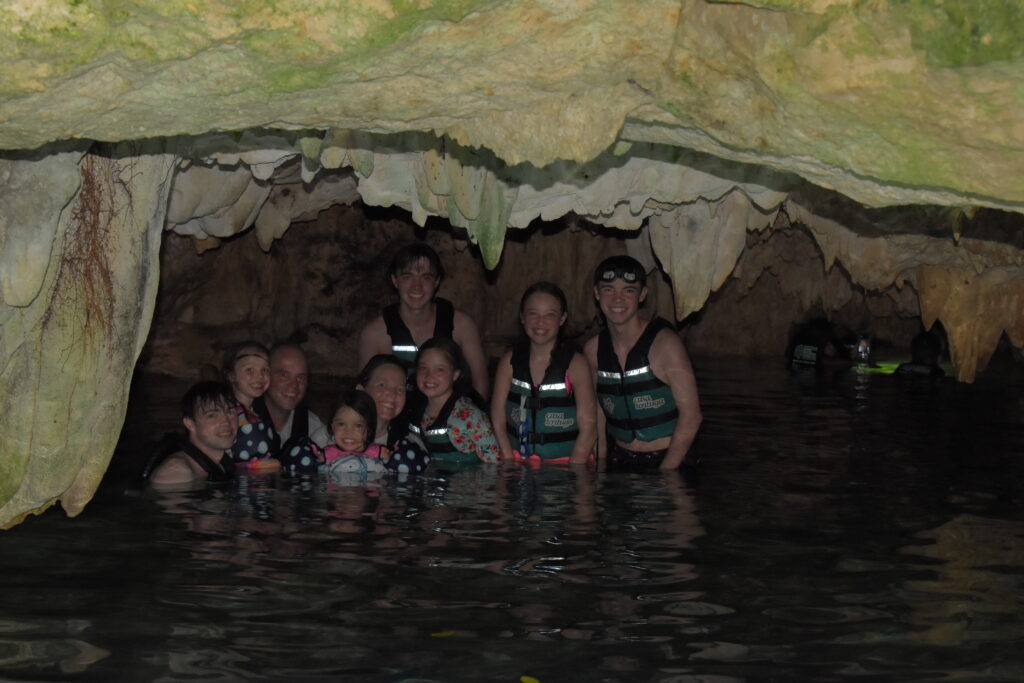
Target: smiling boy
[[643, 379]]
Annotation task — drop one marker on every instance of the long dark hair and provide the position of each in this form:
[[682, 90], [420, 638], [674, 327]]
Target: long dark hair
[[399, 425], [363, 404], [463, 384], [554, 290]]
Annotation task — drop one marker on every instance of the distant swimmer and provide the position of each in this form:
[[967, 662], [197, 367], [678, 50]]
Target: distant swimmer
[[416, 273], [644, 380], [247, 370], [925, 349], [208, 413]]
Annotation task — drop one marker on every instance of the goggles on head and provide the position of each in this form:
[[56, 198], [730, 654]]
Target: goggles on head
[[626, 273]]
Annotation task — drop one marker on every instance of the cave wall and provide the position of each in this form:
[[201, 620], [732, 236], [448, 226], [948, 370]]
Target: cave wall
[[326, 278]]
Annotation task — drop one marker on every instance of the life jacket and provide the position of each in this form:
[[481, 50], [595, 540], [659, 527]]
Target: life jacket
[[172, 444], [256, 438], [637, 405], [548, 410], [402, 344], [298, 455], [437, 437]]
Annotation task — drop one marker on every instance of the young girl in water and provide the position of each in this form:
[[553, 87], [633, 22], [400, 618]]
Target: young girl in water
[[247, 370], [353, 426], [455, 427], [543, 406]]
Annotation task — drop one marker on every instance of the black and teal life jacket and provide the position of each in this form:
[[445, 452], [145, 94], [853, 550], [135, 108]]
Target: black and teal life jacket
[[548, 410], [637, 405], [402, 344], [170, 445], [437, 437]]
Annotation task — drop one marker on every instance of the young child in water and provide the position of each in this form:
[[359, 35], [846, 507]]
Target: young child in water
[[455, 426], [247, 370], [353, 424]]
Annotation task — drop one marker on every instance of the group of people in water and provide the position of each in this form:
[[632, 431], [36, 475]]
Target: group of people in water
[[627, 399]]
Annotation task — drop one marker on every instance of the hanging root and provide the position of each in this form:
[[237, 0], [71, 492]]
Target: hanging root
[[84, 287]]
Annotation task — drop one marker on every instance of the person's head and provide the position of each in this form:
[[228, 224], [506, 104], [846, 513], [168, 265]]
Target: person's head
[[384, 379], [289, 377], [355, 421], [208, 413], [416, 272], [543, 311], [620, 287], [441, 369], [247, 369], [925, 349]]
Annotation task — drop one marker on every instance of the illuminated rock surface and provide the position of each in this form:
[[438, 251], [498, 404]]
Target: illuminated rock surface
[[710, 125]]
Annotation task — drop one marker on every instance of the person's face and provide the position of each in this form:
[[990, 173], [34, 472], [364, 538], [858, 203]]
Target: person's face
[[213, 428], [435, 375], [250, 376], [619, 300], [288, 379], [349, 429], [387, 387], [416, 284], [542, 316]]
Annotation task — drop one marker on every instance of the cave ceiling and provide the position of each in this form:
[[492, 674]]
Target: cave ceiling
[[891, 129]]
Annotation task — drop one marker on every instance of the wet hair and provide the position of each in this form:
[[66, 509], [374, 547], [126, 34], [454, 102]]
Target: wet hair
[[362, 403], [237, 352], [621, 267], [544, 288], [411, 253], [205, 394], [463, 384], [380, 360]]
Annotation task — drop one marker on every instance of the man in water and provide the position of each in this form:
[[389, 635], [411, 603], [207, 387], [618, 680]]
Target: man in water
[[285, 397], [208, 413], [416, 273], [644, 380]]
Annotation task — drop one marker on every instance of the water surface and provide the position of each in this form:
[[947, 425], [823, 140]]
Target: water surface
[[847, 528]]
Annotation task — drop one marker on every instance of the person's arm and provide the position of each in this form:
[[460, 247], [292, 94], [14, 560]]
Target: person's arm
[[499, 397], [582, 379], [318, 432], [373, 339], [671, 364], [600, 431], [471, 432], [467, 336], [175, 470]]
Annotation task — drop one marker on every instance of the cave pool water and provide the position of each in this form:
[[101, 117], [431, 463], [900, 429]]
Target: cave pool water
[[848, 528]]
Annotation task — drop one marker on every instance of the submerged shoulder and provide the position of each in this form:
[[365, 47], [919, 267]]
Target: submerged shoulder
[[177, 468]]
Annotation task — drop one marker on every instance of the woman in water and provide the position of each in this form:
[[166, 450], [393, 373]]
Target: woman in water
[[455, 427], [384, 379], [247, 370], [543, 406]]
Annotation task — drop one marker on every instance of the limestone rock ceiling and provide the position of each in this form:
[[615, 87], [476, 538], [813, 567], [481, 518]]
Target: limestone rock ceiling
[[696, 120]]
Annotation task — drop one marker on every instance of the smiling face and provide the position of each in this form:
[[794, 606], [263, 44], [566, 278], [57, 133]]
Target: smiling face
[[288, 378], [250, 375], [387, 388], [349, 430], [542, 317], [213, 428], [435, 374], [416, 284], [619, 300]]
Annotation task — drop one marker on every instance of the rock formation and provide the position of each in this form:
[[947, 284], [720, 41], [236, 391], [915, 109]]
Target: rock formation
[[712, 126]]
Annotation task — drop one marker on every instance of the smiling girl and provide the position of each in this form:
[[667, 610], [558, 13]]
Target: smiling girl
[[543, 406], [455, 427], [247, 370]]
